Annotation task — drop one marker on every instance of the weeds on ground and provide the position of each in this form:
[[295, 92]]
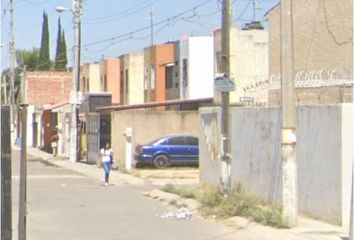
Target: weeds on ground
[[183, 191], [236, 203]]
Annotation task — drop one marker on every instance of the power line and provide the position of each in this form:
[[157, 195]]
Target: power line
[[126, 13], [168, 21]]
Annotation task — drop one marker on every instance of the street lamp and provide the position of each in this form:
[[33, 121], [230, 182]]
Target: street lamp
[[76, 10]]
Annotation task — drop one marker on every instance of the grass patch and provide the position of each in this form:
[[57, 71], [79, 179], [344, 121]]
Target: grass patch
[[236, 203], [183, 191]]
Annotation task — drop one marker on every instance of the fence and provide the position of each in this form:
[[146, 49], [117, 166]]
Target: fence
[[324, 86]]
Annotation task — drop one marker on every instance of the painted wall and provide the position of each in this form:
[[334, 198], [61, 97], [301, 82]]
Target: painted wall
[[132, 71], [90, 75], [324, 154], [249, 57], [155, 59], [110, 78], [322, 35], [197, 77], [145, 128]]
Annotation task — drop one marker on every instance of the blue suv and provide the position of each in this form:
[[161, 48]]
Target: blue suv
[[169, 150]]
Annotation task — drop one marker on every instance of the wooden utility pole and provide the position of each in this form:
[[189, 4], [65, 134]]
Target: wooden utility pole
[[225, 97], [288, 131]]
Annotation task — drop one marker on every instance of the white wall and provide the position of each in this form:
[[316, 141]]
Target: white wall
[[134, 63], [199, 53], [249, 52]]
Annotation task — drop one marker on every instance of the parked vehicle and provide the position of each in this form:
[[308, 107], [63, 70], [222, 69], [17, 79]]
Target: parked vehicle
[[169, 150]]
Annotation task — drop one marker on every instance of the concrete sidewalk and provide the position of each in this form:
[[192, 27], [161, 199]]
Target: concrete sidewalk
[[307, 229], [90, 170]]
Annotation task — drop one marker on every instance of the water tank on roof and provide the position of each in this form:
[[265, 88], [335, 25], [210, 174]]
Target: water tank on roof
[[254, 25]]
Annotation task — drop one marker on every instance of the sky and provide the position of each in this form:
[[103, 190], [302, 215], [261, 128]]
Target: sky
[[111, 28]]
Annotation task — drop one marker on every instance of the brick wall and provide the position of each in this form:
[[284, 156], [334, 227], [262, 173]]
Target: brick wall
[[48, 87]]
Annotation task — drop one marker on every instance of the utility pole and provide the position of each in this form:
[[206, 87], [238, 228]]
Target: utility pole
[[152, 26], [12, 66], [6, 175], [225, 97], [288, 131], [75, 82], [22, 213], [351, 218], [254, 10]]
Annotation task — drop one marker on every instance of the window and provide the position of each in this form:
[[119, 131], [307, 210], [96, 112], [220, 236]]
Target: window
[[105, 83], [153, 77], [126, 81], [169, 77], [176, 141], [192, 141], [185, 72], [84, 84]]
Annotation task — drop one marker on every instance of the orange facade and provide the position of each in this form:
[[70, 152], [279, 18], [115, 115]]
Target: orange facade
[[110, 78], [156, 58]]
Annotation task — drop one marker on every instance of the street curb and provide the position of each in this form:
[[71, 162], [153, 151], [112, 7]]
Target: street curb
[[88, 170]]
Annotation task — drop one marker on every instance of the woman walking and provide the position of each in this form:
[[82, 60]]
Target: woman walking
[[107, 160]]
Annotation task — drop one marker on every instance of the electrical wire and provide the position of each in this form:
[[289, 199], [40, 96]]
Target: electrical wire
[[168, 20], [121, 15]]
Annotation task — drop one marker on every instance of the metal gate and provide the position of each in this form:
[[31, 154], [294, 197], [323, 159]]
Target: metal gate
[[93, 143]]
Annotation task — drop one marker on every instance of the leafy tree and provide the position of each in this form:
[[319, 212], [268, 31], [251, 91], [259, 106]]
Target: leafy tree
[[44, 59], [28, 58]]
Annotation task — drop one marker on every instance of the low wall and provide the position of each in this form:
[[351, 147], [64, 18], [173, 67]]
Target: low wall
[[149, 125], [324, 155]]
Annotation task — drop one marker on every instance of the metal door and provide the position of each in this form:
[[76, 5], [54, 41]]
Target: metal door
[[93, 143]]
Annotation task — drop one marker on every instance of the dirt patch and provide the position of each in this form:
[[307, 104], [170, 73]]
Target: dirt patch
[[170, 175]]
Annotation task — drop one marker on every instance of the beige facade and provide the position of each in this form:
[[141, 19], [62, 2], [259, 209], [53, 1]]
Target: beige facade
[[132, 75], [249, 58], [322, 35], [145, 127], [90, 75]]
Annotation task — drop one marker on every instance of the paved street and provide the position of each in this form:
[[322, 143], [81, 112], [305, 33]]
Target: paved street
[[63, 204], [68, 201]]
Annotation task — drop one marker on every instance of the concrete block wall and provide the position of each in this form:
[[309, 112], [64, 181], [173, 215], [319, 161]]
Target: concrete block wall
[[324, 155], [147, 126]]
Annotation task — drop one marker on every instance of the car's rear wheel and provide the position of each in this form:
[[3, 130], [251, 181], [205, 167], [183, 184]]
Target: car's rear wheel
[[161, 161]]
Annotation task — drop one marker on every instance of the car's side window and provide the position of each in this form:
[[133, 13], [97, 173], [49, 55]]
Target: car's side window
[[176, 141], [192, 141]]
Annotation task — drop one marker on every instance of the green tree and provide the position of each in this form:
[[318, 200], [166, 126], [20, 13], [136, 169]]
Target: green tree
[[63, 50], [44, 59], [28, 58], [60, 56], [57, 65]]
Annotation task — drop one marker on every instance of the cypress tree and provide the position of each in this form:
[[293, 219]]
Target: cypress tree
[[57, 65], [63, 57], [44, 59]]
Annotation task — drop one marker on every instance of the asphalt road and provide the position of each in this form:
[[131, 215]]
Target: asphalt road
[[65, 205]]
